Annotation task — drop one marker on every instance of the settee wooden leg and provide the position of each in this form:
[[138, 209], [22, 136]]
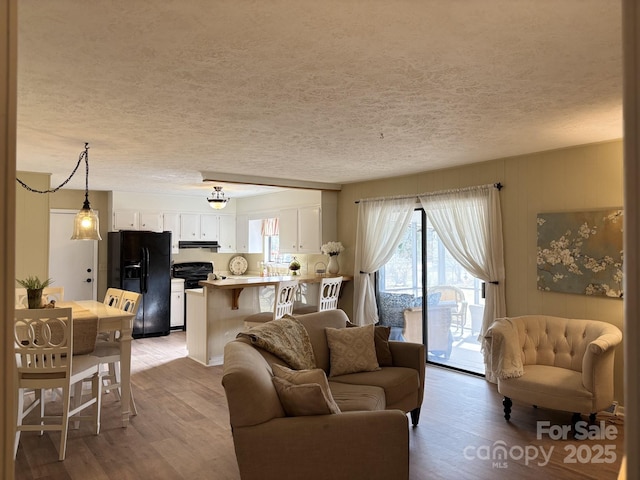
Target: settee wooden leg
[[506, 403], [415, 416], [575, 418], [592, 418]]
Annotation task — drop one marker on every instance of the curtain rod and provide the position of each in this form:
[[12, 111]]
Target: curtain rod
[[497, 185]]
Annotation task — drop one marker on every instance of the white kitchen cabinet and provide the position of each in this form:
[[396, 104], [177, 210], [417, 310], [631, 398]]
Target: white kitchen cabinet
[[248, 234], [151, 221], [189, 226], [177, 303], [137, 220], [242, 233], [210, 227], [171, 223], [125, 220], [300, 230], [227, 233]]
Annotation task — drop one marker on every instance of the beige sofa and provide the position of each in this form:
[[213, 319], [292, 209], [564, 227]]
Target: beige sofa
[[368, 439], [553, 362]]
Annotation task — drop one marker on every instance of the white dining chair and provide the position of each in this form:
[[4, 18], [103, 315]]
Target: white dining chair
[[53, 293], [328, 294], [113, 297], [43, 347], [283, 304], [108, 351]]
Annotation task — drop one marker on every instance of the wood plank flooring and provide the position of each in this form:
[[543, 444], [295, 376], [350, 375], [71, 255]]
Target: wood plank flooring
[[182, 431]]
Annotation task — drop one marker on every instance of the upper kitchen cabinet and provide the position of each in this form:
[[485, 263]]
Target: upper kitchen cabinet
[[189, 226], [227, 236], [134, 220], [212, 227], [125, 220], [300, 230], [151, 221], [171, 223], [248, 234]]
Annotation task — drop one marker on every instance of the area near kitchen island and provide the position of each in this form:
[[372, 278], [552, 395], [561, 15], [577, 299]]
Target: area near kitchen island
[[216, 314]]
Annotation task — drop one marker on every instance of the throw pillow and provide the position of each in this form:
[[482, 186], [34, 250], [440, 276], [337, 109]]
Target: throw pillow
[[351, 350], [433, 298], [299, 400], [286, 338], [381, 339], [302, 377]]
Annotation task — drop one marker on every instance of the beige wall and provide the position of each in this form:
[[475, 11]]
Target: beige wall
[[32, 226], [578, 178]]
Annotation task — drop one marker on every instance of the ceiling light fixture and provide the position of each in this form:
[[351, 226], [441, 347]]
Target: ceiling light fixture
[[217, 199], [86, 225]]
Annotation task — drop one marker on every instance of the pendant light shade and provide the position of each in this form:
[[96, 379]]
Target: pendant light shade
[[217, 200], [86, 225]]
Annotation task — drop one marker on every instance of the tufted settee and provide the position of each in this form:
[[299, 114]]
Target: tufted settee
[[369, 438], [553, 362]]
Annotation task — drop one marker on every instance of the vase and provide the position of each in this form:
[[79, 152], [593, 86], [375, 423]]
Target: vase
[[34, 297], [333, 268]]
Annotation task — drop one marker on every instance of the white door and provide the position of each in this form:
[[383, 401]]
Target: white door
[[72, 263]]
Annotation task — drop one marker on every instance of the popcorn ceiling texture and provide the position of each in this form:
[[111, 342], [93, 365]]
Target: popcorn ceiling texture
[[332, 90]]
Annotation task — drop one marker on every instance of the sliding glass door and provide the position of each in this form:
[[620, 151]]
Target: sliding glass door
[[426, 296]]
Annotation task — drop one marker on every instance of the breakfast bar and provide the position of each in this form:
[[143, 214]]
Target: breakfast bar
[[215, 314]]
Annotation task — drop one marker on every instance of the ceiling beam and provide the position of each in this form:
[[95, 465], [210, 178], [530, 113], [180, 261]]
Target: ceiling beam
[[268, 181]]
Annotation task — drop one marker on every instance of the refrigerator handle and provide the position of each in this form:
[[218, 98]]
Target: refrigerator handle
[[144, 280]]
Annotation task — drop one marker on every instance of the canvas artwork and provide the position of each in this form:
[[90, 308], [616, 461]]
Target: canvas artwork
[[580, 252]]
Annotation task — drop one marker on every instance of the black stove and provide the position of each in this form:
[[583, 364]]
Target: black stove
[[192, 272]]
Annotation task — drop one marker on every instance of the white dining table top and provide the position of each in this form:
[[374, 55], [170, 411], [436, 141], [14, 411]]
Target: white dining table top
[[99, 309]]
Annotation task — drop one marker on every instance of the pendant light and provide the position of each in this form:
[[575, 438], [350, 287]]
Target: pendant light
[[86, 225], [217, 200]]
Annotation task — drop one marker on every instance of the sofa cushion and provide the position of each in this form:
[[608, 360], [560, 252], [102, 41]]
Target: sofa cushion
[[354, 398], [397, 382], [381, 339], [301, 400], [301, 377], [351, 350]]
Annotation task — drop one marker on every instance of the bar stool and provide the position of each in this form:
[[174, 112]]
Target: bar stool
[[283, 304]]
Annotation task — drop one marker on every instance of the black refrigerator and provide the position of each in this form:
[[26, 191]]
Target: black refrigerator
[[141, 262]]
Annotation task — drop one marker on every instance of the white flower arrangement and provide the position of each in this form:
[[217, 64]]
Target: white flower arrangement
[[332, 248]]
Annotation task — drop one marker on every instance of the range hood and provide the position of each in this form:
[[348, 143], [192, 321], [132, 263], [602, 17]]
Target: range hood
[[199, 244]]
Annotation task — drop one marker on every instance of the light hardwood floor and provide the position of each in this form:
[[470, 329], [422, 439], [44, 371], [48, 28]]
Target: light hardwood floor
[[182, 431]]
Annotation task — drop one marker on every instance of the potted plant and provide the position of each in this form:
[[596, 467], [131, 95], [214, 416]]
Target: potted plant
[[34, 287]]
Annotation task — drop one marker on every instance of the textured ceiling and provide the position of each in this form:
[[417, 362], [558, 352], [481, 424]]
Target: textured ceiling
[[325, 90]]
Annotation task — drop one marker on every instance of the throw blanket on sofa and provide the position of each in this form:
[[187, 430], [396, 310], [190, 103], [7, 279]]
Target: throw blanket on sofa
[[503, 354], [287, 339]]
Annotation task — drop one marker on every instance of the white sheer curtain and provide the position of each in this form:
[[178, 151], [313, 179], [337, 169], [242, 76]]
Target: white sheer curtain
[[469, 223], [381, 225]]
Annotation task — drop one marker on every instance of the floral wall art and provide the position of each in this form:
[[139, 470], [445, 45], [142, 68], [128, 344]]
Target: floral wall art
[[580, 252]]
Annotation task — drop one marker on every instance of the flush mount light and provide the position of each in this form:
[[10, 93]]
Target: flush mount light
[[217, 199], [86, 225]]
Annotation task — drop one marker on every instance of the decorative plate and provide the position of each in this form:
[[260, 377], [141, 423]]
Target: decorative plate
[[238, 265]]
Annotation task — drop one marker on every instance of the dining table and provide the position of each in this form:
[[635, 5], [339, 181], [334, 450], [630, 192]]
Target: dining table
[[111, 319]]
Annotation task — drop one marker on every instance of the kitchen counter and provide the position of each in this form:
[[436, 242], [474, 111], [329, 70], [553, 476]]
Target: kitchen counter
[[219, 311]]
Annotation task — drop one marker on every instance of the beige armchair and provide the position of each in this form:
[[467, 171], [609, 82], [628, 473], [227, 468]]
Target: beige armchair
[[552, 362]]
